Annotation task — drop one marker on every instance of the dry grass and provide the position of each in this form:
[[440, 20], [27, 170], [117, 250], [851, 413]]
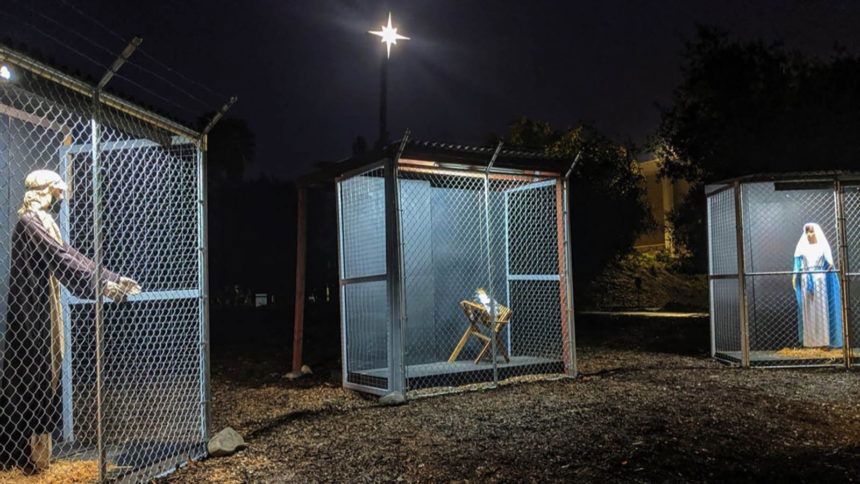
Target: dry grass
[[60, 472], [811, 353]]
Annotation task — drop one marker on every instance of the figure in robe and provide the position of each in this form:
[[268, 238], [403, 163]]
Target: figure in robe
[[30, 388], [817, 290]]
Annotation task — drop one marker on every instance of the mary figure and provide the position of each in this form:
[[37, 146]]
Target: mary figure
[[816, 287]]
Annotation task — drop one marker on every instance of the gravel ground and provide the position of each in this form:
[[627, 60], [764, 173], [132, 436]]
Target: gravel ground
[[649, 406]]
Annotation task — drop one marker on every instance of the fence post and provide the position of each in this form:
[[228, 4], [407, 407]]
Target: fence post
[[301, 261], [492, 294], [97, 249], [97, 282], [203, 267], [203, 275], [394, 269], [843, 271], [742, 291], [568, 279]]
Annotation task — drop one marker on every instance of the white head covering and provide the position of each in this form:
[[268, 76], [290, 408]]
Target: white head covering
[[813, 252]]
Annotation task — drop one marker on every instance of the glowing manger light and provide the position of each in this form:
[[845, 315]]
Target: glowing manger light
[[389, 35], [5, 72]]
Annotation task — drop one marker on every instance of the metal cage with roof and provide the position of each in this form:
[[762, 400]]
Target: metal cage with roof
[[775, 301], [454, 265]]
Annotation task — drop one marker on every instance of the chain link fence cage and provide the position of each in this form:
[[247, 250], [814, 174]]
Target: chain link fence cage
[[102, 295], [784, 261], [452, 273]]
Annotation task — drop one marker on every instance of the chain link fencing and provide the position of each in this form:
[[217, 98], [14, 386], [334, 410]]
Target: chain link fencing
[[102, 293], [791, 303], [483, 293]]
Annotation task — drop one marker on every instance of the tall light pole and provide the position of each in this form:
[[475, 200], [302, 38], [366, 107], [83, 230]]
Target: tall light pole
[[389, 36]]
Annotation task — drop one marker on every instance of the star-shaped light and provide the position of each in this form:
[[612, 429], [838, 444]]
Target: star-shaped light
[[389, 35]]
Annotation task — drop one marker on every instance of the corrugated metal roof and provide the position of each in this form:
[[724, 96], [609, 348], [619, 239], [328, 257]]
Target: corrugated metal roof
[[794, 176], [482, 150], [474, 155]]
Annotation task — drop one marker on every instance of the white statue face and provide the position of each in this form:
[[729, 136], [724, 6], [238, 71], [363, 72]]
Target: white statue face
[[810, 235]]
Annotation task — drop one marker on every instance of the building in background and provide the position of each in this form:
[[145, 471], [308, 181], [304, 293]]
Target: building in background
[[662, 195]]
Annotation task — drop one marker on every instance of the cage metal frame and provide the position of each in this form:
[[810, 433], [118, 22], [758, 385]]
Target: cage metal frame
[[391, 166], [834, 180], [181, 135]]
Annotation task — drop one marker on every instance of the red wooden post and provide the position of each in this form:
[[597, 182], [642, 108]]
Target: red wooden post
[[301, 250]]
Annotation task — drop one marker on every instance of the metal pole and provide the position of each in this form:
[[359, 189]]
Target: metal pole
[[570, 326], [97, 296], [301, 254], [710, 279], [394, 269], [493, 339], [383, 103], [568, 279], [203, 270], [97, 249], [843, 271], [742, 293]]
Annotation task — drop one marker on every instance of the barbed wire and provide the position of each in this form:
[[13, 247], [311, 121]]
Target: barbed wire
[[51, 37], [142, 50]]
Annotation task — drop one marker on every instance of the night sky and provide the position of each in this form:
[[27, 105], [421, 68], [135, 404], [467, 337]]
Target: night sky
[[307, 73]]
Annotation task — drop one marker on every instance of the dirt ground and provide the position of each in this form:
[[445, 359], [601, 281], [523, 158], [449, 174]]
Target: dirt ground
[[649, 406]]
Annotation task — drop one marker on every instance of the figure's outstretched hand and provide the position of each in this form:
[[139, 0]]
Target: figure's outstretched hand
[[121, 290], [129, 286]]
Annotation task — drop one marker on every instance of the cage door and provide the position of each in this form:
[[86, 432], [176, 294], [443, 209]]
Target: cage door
[[364, 297], [151, 234], [532, 257]]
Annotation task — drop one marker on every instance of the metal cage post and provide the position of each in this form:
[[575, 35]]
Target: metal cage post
[[97, 296], [394, 266], [203, 274], [493, 309], [742, 293], [568, 277], [708, 241], [843, 271]]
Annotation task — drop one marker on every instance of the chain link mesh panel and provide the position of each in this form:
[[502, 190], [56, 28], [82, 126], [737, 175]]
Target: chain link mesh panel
[[775, 215], [461, 233], [794, 309], [365, 309], [851, 207], [723, 256], [145, 341]]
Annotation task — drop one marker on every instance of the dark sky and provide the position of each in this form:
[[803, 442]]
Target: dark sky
[[307, 72]]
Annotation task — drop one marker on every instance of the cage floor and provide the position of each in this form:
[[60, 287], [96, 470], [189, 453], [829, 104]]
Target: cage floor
[[775, 358], [463, 372]]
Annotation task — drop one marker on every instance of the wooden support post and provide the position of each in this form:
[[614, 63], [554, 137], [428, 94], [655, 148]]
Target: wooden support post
[[562, 273], [301, 251]]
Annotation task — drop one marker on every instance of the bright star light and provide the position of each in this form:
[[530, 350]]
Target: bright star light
[[5, 73], [389, 35]]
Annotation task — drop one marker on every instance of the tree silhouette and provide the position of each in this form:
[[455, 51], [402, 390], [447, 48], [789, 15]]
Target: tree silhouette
[[747, 107], [607, 204]]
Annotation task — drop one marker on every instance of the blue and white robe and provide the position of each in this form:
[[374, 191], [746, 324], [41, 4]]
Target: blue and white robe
[[819, 303]]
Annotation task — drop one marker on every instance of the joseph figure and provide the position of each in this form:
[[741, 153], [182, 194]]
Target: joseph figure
[[30, 391]]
